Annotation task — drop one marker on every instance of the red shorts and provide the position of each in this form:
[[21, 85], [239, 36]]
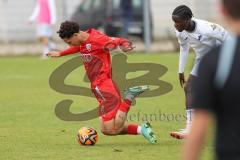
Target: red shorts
[[109, 98]]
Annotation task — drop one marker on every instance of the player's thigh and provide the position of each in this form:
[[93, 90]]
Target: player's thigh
[[120, 119], [107, 127], [106, 91], [109, 86], [110, 99]]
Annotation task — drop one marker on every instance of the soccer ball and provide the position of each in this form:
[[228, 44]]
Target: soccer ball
[[87, 136]]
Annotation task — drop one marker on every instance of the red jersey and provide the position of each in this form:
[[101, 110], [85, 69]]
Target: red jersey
[[95, 55]]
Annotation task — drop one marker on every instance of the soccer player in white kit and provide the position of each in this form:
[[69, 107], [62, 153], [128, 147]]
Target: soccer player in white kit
[[201, 36]]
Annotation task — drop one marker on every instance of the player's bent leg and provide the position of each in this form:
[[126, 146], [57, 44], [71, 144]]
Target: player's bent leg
[[113, 120], [183, 133], [120, 119], [109, 101], [133, 92], [189, 104], [107, 128], [144, 129], [124, 106], [121, 113], [189, 91], [111, 104]]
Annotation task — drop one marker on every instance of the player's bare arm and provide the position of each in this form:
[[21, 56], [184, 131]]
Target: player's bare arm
[[112, 43], [53, 54], [70, 50]]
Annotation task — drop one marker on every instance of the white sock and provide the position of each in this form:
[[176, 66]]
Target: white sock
[[189, 113], [139, 130]]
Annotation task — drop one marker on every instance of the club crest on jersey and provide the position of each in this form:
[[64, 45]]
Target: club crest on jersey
[[88, 47]]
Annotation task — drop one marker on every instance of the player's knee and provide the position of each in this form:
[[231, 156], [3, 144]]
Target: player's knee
[[118, 127], [104, 132], [187, 88], [118, 130]]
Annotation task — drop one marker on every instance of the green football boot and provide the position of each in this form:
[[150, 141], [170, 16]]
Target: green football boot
[[148, 133], [133, 92]]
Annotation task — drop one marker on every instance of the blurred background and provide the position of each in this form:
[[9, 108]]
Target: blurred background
[[101, 14]]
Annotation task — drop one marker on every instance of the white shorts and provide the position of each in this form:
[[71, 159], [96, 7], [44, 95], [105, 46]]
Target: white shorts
[[195, 67], [44, 30]]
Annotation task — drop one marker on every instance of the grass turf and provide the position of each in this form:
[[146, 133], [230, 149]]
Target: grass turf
[[29, 128]]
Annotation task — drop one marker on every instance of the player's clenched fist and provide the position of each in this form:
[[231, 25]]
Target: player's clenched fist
[[53, 54], [127, 46], [181, 79]]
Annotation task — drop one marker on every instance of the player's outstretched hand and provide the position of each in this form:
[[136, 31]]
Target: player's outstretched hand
[[53, 54], [181, 79], [127, 47]]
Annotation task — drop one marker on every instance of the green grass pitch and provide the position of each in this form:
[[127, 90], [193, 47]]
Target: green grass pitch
[[29, 128]]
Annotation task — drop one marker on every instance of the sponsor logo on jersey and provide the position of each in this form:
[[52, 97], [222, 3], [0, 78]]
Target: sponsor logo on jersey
[[86, 57]]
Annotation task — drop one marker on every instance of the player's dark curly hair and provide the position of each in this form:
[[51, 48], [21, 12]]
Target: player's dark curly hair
[[183, 12], [67, 29]]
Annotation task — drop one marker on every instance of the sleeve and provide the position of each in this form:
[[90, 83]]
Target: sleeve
[[184, 50], [70, 50], [52, 6], [34, 14], [216, 31], [111, 43], [203, 87]]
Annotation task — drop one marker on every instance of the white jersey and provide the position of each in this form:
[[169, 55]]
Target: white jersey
[[205, 36]]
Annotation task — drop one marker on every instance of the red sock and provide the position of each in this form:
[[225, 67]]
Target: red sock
[[125, 106], [132, 129], [128, 102]]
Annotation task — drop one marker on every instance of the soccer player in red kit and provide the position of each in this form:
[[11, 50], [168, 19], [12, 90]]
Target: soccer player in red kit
[[94, 48]]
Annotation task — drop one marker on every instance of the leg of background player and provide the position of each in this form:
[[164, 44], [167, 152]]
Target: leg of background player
[[45, 42], [189, 110]]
